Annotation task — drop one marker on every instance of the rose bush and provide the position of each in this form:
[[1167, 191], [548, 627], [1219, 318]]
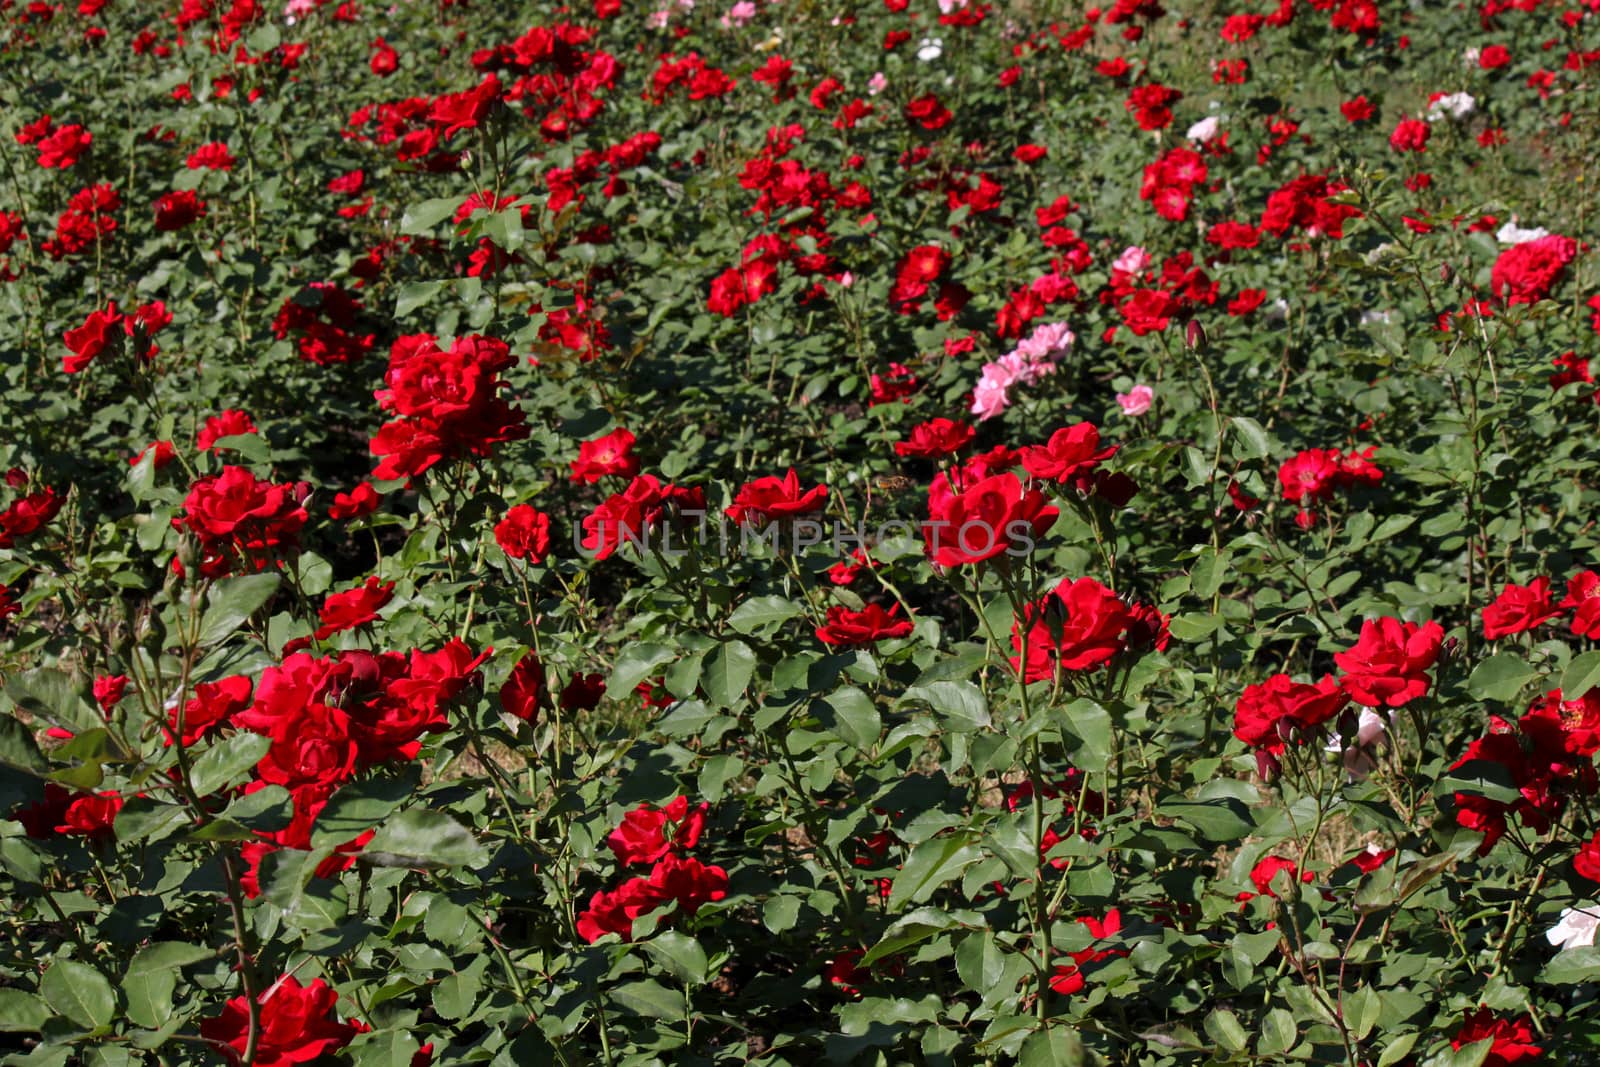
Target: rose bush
[[895, 531]]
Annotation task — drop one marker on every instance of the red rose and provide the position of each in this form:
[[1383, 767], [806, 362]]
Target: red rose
[[1077, 626], [234, 513], [625, 516], [524, 692], [1067, 979], [648, 833], [1518, 609], [385, 60], [1583, 595], [1266, 709], [297, 1025], [1525, 273], [926, 111], [1512, 1038], [98, 332], [311, 747], [1410, 135], [446, 404], [353, 607], [847, 628], [27, 515], [178, 209], [213, 706], [773, 498], [935, 438], [524, 534], [1587, 859], [1389, 664], [90, 815], [989, 517], [164, 454], [358, 503], [583, 692], [230, 423], [1070, 456], [63, 148], [611, 454]]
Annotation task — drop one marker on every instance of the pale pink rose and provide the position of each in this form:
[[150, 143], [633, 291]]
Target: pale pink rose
[[1136, 401], [876, 84], [739, 14], [991, 395], [1133, 260], [297, 8], [1046, 342]]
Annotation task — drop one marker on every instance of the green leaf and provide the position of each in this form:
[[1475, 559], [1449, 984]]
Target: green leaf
[[359, 806], [457, 994], [1055, 1047], [414, 295], [1219, 819], [652, 999], [762, 612], [1482, 778], [728, 672], [681, 955], [855, 717], [420, 837], [634, 665], [384, 1048], [1209, 571], [1572, 966], [288, 881], [57, 698], [1253, 442], [149, 996], [22, 1012], [80, 993], [959, 704], [423, 217], [1397, 1049], [980, 961], [912, 928], [1581, 675], [1278, 1033], [780, 913], [930, 865], [1223, 1027], [226, 762], [1091, 725], [1500, 677], [19, 750], [232, 601]]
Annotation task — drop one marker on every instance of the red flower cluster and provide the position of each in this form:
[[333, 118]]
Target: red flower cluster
[[625, 516], [1525, 273], [772, 498], [1312, 476], [1067, 978], [447, 404], [241, 521], [322, 320], [298, 1025], [1078, 626], [852, 629], [655, 836], [86, 221]]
